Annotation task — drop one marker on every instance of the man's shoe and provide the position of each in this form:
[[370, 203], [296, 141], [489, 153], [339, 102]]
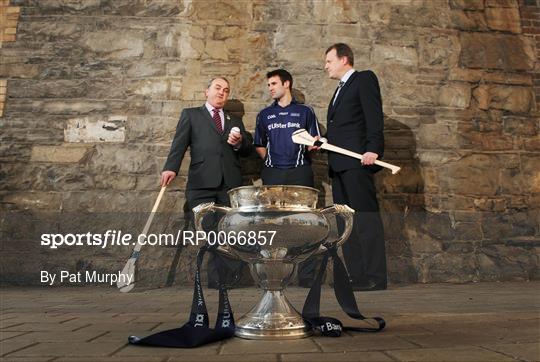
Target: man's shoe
[[368, 286]]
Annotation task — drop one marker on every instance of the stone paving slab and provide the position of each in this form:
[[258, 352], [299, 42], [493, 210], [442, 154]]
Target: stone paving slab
[[469, 354], [244, 346], [521, 351], [437, 322], [65, 348], [6, 335], [339, 356], [138, 351], [363, 342]]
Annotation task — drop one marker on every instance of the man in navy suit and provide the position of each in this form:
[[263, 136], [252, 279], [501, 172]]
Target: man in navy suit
[[355, 122], [215, 151]]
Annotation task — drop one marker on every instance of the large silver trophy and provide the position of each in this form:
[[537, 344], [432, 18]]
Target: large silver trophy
[[288, 216]]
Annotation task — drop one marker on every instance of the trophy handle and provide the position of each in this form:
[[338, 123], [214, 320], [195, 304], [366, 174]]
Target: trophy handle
[[200, 211], [347, 214]]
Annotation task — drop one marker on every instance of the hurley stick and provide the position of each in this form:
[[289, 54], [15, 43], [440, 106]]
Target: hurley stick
[[129, 269], [303, 137]]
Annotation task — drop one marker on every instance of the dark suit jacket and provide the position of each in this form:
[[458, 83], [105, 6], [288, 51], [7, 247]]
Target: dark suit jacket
[[355, 121], [212, 158]]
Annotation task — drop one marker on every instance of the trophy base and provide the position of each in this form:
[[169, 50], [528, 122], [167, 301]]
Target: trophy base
[[273, 318]]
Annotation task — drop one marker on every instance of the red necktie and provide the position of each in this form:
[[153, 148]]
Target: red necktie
[[217, 120]]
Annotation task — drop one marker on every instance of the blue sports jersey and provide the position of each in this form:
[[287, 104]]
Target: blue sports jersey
[[274, 129]]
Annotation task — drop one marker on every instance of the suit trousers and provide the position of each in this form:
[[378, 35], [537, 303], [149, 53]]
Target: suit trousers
[[364, 251], [217, 264]]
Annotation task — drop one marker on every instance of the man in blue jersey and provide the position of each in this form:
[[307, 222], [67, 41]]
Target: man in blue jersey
[[285, 163]]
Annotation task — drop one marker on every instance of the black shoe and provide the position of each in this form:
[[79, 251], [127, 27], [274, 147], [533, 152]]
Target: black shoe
[[368, 286]]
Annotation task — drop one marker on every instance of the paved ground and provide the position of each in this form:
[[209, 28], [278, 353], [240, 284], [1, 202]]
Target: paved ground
[[437, 322]]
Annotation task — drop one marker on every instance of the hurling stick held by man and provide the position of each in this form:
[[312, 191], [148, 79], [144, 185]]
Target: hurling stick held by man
[[303, 137], [129, 268]]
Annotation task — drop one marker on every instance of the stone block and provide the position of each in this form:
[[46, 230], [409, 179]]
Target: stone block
[[149, 88], [115, 45], [508, 52], [448, 267], [510, 98], [532, 144], [513, 182], [525, 126], [473, 175], [467, 4], [115, 181], [486, 141], [22, 88], [469, 20], [109, 158], [336, 12], [59, 154], [503, 19], [410, 95], [501, 262], [418, 14], [437, 136], [491, 204], [91, 129], [502, 3], [230, 13], [438, 50], [530, 167], [394, 54], [456, 202], [468, 231], [146, 68], [455, 95], [216, 50], [34, 200]]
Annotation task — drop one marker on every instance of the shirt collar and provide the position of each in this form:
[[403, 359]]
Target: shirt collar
[[347, 75], [211, 108], [293, 101]]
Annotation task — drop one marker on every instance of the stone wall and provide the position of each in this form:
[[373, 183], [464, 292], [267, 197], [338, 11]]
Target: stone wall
[[95, 89], [9, 16]]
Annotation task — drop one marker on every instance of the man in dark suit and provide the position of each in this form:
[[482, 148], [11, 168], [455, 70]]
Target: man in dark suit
[[215, 148], [355, 122]]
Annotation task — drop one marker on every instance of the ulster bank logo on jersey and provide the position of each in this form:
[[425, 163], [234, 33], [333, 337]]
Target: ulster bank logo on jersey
[[283, 125]]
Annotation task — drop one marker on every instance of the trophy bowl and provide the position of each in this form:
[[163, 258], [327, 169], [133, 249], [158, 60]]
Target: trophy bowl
[[273, 228]]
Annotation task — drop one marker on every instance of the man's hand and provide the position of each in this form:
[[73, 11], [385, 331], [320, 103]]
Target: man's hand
[[167, 177], [316, 148], [235, 139], [369, 158]]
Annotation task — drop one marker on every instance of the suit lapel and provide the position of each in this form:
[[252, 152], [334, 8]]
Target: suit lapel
[[226, 125], [330, 112], [206, 115], [343, 90]]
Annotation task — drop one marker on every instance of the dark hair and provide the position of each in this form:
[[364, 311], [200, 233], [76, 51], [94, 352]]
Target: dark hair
[[213, 79], [342, 50], [282, 74]]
